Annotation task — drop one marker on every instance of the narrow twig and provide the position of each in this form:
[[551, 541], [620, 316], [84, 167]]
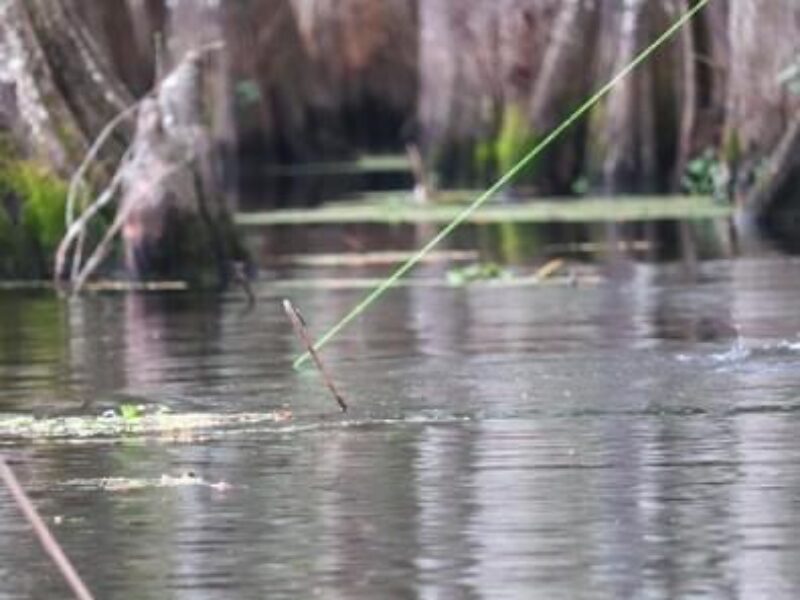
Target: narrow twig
[[104, 247], [46, 538], [77, 179], [76, 226], [422, 187], [301, 330], [79, 225], [77, 255], [240, 277]]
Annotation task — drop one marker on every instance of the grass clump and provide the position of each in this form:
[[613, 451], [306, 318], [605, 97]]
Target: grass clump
[[32, 204]]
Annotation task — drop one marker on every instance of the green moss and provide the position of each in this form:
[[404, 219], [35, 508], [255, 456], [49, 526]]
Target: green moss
[[731, 147], [476, 272], [8, 243], [131, 412], [484, 159], [32, 203], [497, 154], [375, 209], [518, 242], [515, 138], [597, 149], [44, 196]]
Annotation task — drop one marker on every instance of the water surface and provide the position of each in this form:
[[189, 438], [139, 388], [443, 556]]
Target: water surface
[[636, 437]]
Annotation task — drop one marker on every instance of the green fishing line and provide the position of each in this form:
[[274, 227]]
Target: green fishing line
[[509, 176]]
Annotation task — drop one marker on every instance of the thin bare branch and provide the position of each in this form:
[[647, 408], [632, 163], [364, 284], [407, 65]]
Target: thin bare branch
[[79, 225], [76, 228], [240, 277], [103, 248], [46, 538], [301, 330], [77, 180]]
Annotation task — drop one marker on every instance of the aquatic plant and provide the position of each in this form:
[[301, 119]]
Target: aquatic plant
[[131, 412], [706, 175], [461, 276], [581, 186], [43, 195], [145, 424], [31, 216]]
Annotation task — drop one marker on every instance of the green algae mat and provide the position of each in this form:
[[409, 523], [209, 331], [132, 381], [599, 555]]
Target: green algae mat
[[400, 208], [131, 424]]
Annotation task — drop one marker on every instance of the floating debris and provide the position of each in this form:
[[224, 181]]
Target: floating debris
[[549, 268], [132, 422], [128, 484]]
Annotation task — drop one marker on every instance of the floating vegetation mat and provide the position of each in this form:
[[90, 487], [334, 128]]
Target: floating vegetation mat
[[128, 484], [129, 423], [396, 208]]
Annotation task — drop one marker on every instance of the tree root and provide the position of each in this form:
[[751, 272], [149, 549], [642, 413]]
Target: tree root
[[164, 137]]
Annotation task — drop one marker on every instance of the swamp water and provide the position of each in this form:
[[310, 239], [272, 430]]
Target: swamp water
[[635, 437]]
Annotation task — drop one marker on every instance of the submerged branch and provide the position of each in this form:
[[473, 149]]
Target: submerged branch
[[77, 229], [46, 538], [104, 247], [301, 330], [77, 180]]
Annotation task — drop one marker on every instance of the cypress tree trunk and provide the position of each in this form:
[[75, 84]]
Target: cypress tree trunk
[[66, 89], [763, 117], [618, 169], [63, 87]]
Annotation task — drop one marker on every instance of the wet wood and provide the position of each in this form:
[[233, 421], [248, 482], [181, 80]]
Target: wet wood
[[299, 325], [46, 538]]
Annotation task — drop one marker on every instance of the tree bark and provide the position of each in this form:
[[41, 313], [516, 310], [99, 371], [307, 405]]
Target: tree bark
[[172, 216], [618, 168], [555, 62], [688, 75], [61, 82], [762, 114]]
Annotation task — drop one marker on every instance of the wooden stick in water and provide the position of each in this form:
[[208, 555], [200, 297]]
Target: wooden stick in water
[[299, 325], [240, 277], [46, 538]]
